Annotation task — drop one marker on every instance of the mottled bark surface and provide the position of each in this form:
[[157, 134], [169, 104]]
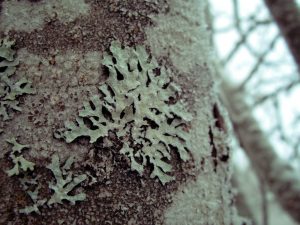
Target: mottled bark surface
[[60, 51]]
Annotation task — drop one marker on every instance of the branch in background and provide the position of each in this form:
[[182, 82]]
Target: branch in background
[[274, 94], [286, 13], [236, 15], [244, 35], [241, 42], [260, 61], [279, 176]]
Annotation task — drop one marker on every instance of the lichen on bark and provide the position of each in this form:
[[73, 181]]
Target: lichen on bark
[[10, 90], [136, 105], [65, 182], [20, 163]]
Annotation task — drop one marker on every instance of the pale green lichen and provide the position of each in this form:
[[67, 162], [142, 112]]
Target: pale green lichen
[[136, 106], [65, 182], [28, 185], [23, 165], [10, 90], [20, 163]]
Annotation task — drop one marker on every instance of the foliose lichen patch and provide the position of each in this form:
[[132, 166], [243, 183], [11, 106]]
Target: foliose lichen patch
[[65, 182], [138, 105], [10, 89], [32, 187], [20, 163]]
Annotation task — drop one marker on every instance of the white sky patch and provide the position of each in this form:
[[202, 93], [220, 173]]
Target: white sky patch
[[226, 42]]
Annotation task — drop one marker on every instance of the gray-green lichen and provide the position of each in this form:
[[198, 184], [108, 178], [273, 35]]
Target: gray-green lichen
[[23, 165], [65, 182], [31, 186], [136, 106], [10, 89], [20, 163]]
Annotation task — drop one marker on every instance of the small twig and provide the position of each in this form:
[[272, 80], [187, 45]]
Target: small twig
[[266, 97], [242, 40], [260, 60], [236, 15]]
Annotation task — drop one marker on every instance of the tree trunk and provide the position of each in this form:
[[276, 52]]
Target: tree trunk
[[69, 50]]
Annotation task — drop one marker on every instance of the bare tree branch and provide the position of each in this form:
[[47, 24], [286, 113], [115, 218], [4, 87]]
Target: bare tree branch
[[260, 61], [269, 96], [286, 13], [278, 175], [244, 35]]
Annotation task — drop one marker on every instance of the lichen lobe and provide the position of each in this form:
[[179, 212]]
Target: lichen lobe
[[135, 104], [10, 89], [20, 163], [65, 182]]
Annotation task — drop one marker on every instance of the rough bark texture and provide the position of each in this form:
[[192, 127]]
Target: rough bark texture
[[278, 175], [286, 13], [60, 48]]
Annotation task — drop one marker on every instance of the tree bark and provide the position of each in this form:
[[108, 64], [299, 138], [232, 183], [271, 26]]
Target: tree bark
[[60, 46]]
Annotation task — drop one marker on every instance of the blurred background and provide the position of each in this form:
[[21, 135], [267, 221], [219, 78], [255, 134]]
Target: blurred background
[[256, 62]]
